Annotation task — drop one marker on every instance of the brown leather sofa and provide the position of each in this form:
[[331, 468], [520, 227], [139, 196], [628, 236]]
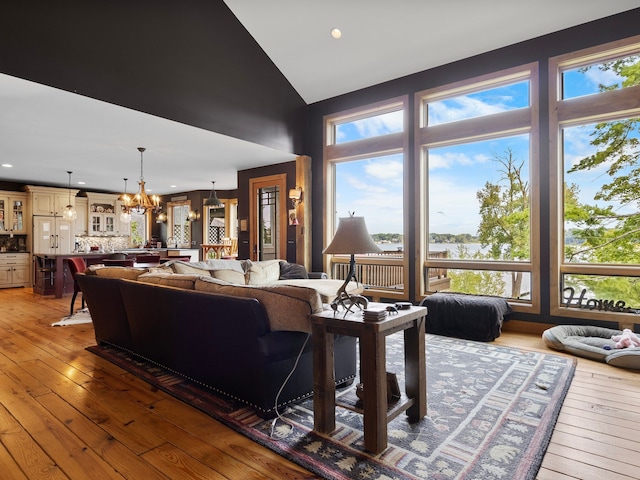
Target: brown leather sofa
[[222, 341]]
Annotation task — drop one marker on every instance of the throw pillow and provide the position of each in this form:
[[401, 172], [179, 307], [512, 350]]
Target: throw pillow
[[178, 280], [180, 267], [231, 276], [120, 272], [292, 271], [263, 272], [218, 264]]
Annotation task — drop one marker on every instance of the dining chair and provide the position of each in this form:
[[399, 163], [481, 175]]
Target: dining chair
[[76, 264]]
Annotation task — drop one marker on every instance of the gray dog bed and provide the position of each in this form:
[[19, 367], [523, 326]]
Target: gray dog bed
[[591, 342]]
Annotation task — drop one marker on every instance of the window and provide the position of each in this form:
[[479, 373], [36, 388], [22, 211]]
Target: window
[[179, 224], [138, 229], [365, 157], [478, 214], [595, 130]]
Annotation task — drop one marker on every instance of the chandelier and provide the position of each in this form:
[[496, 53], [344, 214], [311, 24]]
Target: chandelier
[[140, 203]]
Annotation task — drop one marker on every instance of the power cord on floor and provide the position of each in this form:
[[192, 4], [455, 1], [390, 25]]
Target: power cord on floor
[[274, 432]]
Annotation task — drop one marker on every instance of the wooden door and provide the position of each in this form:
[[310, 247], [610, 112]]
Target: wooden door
[[268, 240]]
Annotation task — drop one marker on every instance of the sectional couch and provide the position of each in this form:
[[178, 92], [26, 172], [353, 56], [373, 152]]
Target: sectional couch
[[241, 340]]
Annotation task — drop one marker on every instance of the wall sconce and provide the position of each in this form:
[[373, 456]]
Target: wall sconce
[[193, 216], [295, 195], [161, 218]]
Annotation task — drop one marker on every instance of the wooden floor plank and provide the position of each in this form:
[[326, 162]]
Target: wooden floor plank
[[68, 414]]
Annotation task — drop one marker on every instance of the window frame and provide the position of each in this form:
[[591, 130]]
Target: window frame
[[497, 125], [392, 143], [583, 110]]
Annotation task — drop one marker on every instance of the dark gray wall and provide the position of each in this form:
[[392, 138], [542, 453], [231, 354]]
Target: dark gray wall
[[536, 50], [190, 61]]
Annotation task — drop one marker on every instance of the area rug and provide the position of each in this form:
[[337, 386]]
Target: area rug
[[81, 316], [491, 411]]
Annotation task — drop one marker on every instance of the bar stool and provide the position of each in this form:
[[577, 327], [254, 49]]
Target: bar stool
[[43, 273]]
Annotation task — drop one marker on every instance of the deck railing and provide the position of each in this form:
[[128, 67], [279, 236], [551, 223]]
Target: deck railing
[[383, 270]]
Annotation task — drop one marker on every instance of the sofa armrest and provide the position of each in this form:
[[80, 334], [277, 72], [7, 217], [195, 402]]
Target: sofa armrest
[[317, 275]]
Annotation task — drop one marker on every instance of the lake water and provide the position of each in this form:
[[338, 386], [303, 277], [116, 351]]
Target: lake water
[[436, 247]]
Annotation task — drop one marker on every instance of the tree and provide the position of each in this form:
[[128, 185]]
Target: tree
[[482, 282], [504, 211], [610, 234]]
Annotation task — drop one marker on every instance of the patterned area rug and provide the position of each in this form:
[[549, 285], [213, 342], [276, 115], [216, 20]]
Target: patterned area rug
[[491, 411]]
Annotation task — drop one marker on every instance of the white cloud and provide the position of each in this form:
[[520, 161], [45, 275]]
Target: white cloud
[[459, 108], [602, 77]]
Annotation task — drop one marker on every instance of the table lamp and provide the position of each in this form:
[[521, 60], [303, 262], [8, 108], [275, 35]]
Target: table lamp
[[351, 238]]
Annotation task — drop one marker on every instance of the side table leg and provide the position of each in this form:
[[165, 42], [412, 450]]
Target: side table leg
[[324, 387], [374, 380], [416, 369]]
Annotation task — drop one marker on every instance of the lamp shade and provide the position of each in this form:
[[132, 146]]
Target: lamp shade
[[352, 237]]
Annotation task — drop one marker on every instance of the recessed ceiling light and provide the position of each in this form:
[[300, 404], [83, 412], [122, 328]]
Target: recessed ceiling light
[[173, 186], [7, 165], [81, 183], [336, 33]]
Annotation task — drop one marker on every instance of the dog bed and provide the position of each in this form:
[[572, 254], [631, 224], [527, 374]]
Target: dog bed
[[591, 342]]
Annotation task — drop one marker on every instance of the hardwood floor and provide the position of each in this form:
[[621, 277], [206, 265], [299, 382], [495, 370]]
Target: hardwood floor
[[68, 414]]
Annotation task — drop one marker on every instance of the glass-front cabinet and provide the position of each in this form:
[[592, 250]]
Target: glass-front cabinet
[[101, 222], [12, 212]]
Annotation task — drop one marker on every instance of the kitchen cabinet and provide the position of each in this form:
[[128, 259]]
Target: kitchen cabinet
[[13, 212], [50, 201], [82, 208], [101, 223], [53, 235], [122, 228], [14, 270], [102, 215]]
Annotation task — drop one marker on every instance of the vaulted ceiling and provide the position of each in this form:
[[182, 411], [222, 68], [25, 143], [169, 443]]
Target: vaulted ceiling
[[44, 131]]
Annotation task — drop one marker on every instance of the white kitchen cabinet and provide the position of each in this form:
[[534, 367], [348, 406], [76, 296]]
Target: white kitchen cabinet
[[53, 235], [82, 207], [102, 216], [14, 270], [102, 223], [50, 201], [13, 212], [122, 228]]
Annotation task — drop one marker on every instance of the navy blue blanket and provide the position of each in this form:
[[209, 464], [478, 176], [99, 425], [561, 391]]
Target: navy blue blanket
[[466, 316]]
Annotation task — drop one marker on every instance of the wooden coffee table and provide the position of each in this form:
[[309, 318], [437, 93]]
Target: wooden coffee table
[[372, 370]]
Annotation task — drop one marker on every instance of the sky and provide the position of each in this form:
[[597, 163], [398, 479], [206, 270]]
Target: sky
[[373, 187]]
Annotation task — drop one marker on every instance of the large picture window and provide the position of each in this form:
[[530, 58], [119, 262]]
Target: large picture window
[[365, 157], [478, 214], [595, 124]]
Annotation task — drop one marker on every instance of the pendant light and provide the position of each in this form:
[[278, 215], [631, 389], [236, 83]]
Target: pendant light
[[69, 212], [213, 201], [125, 214]]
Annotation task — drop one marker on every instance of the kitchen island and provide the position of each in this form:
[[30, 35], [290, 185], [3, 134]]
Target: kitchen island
[[62, 280]]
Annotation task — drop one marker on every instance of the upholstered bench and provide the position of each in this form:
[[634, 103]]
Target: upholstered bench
[[472, 317], [591, 342]]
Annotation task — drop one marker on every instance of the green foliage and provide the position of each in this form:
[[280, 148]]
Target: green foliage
[[607, 236], [504, 211], [387, 237], [136, 237], [452, 238], [476, 282]]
